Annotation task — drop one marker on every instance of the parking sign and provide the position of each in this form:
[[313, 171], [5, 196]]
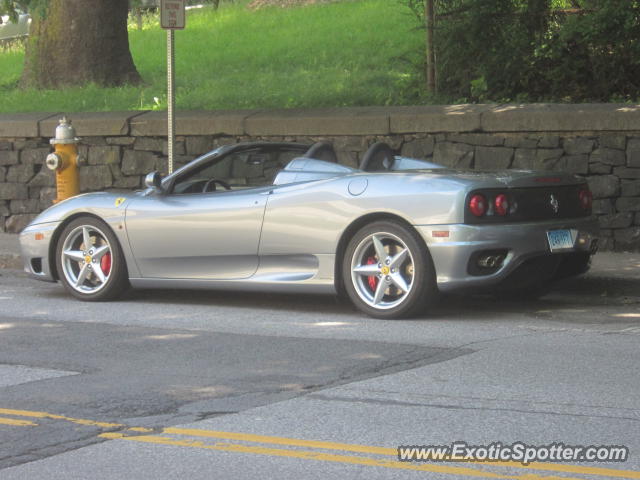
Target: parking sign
[[172, 15]]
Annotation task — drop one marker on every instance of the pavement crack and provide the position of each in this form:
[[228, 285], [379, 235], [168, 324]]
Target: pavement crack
[[461, 407]]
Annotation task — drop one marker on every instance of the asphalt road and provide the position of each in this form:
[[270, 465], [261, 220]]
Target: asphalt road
[[173, 384]]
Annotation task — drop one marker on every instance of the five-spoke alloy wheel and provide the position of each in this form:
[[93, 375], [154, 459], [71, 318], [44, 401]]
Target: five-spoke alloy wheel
[[387, 271], [89, 260]]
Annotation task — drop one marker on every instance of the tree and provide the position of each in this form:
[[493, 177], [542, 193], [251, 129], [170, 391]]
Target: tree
[[429, 20], [74, 42]]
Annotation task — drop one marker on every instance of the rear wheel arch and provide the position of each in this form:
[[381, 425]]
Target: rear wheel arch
[[352, 229]]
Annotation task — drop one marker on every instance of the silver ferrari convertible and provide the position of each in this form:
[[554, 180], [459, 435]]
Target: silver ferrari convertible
[[389, 235]]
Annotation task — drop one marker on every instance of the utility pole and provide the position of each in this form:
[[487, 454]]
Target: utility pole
[[172, 17]]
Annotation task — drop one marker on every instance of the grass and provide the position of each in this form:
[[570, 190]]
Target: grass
[[339, 54]]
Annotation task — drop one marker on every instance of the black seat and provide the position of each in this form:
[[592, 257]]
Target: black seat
[[379, 158], [322, 151]]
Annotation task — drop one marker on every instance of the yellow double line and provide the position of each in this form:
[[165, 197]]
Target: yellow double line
[[319, 452]]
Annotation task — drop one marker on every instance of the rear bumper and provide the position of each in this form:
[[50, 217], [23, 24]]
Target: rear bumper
[[522, 242], [35, 250]]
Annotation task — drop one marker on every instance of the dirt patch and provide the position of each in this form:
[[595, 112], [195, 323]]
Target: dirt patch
[[285, 3]]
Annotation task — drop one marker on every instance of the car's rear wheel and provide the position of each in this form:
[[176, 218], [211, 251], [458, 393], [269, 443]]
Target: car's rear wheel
[[90, 262], [388, 272]]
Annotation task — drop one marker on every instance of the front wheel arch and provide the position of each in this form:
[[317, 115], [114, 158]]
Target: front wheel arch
[[56, 236]]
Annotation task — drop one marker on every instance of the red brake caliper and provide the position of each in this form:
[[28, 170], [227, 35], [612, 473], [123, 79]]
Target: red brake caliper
[[373, 280], [105, 263]]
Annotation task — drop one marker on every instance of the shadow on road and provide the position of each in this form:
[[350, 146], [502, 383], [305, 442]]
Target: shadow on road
[[588, 291]]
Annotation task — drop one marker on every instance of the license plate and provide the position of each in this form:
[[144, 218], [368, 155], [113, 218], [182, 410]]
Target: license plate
[[560, 240]]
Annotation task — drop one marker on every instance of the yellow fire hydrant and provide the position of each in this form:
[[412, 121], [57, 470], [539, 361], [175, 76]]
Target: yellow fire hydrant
[[65, 160]]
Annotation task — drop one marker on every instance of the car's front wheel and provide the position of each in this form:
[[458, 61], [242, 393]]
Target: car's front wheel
[[90, 262], [388, 272]]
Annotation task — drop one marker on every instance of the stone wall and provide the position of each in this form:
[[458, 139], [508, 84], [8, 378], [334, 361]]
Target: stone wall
[[599, 142]]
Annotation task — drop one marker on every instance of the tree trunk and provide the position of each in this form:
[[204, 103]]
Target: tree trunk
[[429, 19], [77, 42]]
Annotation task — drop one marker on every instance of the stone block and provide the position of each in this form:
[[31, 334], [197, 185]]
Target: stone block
[[104, 155], [604, 186], [455, 155], [197, 145], [99, 124], [149, 144], [627, 238], [608, 156], [525, 159], [549, 141], [561, 118], [476, 139], [138, 162], [24, 206], [616, 220], [34, 155], [599, 168], [493, 158], [626, 172], [628, 204], [633, 152], [630, 188], [16, 223], [575, 164], [21, 173], [122, 141], [603, 206], [578, 145], [324, 121], [419, 148], [436, 118], [154, 124], [95, 178], [94, 141], [44, 178], [549, 159], [46, 197], [24, 125], [521, 142], [610, 140], [29, 143], [347, 143], [128, 182], [9, 157]]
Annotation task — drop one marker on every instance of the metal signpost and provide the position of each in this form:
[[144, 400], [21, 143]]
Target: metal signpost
[[172, 17]]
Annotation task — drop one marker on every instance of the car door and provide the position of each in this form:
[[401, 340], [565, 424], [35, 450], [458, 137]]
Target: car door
[[193, 233], [201, 236]]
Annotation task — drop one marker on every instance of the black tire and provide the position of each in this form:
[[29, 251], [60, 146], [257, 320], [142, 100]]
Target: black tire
[[116, 279], [417, 271]]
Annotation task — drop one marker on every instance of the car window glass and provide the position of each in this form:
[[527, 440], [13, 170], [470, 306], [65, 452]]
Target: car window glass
[[240, 170]]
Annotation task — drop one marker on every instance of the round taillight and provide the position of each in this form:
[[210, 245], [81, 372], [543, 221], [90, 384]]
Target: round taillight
[[478, 205], [586, 199], [502, 205]]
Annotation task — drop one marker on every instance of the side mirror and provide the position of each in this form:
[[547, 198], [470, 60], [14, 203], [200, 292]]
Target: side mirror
[[154, 180]]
